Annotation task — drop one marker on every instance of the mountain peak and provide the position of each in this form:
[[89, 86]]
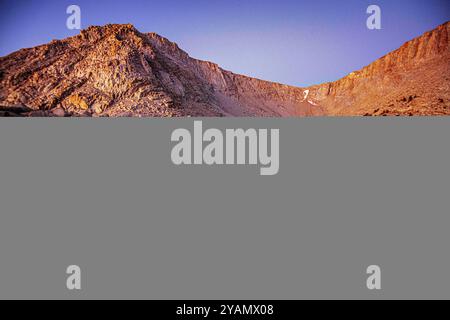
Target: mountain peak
[[110, 28], [115, 70]]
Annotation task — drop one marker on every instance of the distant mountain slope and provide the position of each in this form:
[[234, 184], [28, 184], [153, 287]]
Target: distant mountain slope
[[413, 80], [117, 71]]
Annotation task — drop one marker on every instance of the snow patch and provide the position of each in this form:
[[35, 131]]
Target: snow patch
[[305, 95], [305, 98]]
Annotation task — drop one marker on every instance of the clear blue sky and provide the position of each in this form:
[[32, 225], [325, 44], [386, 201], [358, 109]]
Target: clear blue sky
[[298, 42]]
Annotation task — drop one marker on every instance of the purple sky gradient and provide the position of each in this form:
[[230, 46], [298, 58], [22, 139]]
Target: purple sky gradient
[[289, 41]]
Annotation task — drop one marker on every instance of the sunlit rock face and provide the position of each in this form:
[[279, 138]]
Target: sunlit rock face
[[413, 80], [118, 71]]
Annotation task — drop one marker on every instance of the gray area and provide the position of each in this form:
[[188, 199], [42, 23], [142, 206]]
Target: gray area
[[103, 194]]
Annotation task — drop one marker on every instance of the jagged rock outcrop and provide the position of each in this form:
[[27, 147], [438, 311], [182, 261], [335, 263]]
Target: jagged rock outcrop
[[116, 70]]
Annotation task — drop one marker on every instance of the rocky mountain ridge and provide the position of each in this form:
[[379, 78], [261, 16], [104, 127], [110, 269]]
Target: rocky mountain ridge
[[412, 80], [115, 70]]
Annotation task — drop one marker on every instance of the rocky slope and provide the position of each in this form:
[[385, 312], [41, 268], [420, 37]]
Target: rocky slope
[[117, 71], [413, 80]]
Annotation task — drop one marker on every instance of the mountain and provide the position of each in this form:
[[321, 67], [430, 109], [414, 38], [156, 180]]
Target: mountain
[[413, 80], [115, 70]]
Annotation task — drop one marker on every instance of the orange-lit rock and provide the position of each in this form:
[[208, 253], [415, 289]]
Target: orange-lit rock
[[116, 70]]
